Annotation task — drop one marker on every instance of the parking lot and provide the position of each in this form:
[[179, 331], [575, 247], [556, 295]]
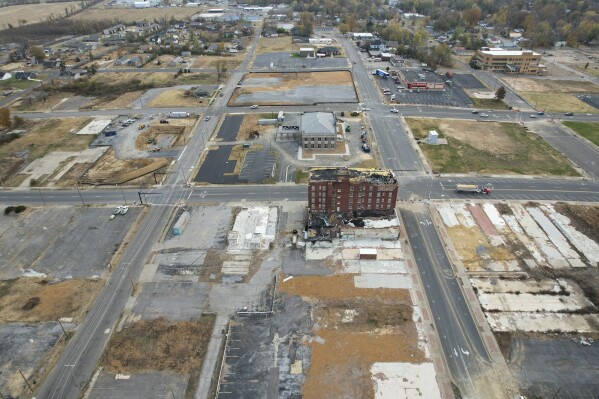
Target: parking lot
[[284, 60], [591, 99], [556, 368], [453, 96], [467, 81], [229, 127], [55, 241]]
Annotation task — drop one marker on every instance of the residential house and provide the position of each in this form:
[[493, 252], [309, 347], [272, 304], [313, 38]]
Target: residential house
[[135, 61], [113, 29], [124, 60], [21, 75]]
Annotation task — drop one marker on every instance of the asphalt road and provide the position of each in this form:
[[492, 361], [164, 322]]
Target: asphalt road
[[410, 188]]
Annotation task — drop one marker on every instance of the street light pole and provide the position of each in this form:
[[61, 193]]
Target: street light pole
[[43, 200]]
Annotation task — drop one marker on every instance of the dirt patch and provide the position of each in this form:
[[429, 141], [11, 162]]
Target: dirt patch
[[557, 102], [123, 101], [249, 125], [125, 15], [292, 80], [175, 98], [111, 170], [207, 61], [42, 104], [212, 266], [31, 300], [32, 13], [358, 327], [72, 176], [584, 217], [474, 249], [275, 44], [337, 287], [551, 86], [159, 345], [151, 137]]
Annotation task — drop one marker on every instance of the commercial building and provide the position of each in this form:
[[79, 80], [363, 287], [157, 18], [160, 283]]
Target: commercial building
[[318, 130], [332, 190], [509, 61], [420, 80]]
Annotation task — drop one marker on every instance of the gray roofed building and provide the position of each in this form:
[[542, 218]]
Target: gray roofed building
[[318, 130]]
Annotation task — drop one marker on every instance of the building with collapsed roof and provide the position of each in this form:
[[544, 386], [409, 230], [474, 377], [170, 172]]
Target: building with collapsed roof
[[351, 189], [351, 202]]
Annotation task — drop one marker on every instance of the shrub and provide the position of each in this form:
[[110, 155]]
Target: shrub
[[20, 209], [8, 210]]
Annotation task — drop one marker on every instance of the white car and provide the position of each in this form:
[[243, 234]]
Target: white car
[[365, 109], [394, 110], [254, 106], [124, 210], [484, 115]]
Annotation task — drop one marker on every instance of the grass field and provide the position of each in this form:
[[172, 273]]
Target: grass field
[[47, 136], [557, 102], [16, 84], [554, 95], [488, 103], [136, 14], [588, 130], [274, 44], [32, 12], [176, 98], [488, 147]]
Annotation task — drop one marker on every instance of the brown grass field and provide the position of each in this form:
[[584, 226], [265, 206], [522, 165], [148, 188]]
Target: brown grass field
[[134, 15], [176, 98], [32, 12], [554, 95]]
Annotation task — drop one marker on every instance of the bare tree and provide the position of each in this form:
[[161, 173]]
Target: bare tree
[[221, 69]]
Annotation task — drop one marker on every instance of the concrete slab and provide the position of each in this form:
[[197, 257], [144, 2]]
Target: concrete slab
[[151, 385], [553, 256], [254, 228], [404, 381], [588, 247], [95, 127], [512, 222], [494, 216], [463, 216], [543, 322], [447, 215], [555, 236], [398, 281], [495, 285], [23, 347], [164, 299], [527, 302], [207, 228]]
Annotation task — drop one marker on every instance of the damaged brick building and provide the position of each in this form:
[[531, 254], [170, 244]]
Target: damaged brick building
[[343, 200]]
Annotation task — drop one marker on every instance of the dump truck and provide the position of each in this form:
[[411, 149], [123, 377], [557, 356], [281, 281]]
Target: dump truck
[[472, 188]]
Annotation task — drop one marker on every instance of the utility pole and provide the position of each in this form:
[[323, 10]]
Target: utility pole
[[79, 191], [122, 192], [39, 190], [26, 382]]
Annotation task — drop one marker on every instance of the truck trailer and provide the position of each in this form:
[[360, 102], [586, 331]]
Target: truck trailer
[[472, 188], [381, 73], [177, 114]]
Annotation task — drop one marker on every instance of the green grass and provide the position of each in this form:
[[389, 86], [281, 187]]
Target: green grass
[[13, 83], [588, 130], [522, 153], [488, 103]]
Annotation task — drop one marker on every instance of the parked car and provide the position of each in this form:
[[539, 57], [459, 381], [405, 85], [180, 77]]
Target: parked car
[[163, 121], [207, 118]]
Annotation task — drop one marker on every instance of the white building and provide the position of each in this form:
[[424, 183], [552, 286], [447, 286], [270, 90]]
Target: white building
[[321, 40]]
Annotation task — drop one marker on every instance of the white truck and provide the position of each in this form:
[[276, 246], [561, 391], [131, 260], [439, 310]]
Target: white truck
[[472, 188], [178, 114]]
